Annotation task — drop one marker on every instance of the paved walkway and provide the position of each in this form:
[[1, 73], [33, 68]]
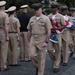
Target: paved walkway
[[27, 68]]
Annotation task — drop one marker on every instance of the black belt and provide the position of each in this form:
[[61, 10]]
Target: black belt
[[12, 32]]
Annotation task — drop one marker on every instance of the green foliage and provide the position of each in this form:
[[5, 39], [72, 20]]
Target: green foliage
[[69, 3], [31, 11], [18, 3], [48, 11]]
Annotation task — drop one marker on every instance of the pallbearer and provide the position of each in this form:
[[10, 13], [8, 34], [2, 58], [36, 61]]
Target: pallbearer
[[58, 24]]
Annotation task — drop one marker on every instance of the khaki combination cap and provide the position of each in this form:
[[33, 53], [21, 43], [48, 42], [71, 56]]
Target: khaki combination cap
[[63, 7], [54, 5], [72, 9], [2, 3], [24, 6], [36, 6], [12, 8]]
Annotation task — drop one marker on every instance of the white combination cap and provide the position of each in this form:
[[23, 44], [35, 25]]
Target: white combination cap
[[12, 8], [2, 3], [24, 6]]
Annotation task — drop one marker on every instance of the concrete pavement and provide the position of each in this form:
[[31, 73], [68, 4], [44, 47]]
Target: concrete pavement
[[27, 68]]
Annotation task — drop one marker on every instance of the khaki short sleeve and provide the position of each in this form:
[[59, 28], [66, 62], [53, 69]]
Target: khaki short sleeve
[[62, 21], [6, 19], [48, 24], [18, 23], [29, 26]]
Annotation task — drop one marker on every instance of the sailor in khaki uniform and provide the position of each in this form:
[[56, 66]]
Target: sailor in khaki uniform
[[4, 21], [38, 34], [58, 24], [24, 18], [72, 33], [13, 37], [65, 34]]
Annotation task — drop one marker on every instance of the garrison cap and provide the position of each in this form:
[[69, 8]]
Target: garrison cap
[[24, 6], [36, 6], [12, 8], [54, 5], [2, 3], [72, 9], [63, 7]]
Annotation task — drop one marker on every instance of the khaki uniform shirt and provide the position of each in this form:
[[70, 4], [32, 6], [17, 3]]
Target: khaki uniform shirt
[[61, 22], [39, 28], [72, 31], [3, 19], [59, 18], [13, 24], [66, 33]]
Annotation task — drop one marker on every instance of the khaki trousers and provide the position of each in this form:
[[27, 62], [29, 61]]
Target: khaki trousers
[[72, 35], [38, 54], [73, 38], [24, 54], [3, 50], [55, 56], [13, 49], [65, 46]]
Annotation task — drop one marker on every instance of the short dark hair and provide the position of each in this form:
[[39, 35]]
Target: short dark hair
[[10, 13]]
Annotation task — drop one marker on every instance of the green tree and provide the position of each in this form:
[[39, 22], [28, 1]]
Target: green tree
[[69, 3], [18, 3]]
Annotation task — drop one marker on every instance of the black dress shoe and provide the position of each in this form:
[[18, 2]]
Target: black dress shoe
[[15, 65], [36, 71], [55, 70], [27, 60], [71, 54], [5, 69], [64, 64]]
